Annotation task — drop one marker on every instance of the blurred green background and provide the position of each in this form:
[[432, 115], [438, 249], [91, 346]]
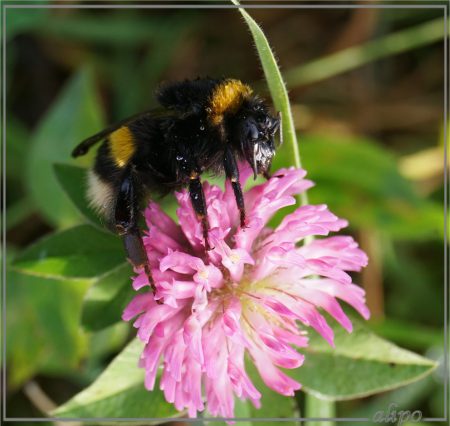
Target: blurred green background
[[366, 87]]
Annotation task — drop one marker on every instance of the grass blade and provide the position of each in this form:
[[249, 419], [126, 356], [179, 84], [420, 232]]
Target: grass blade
[[354, 57]]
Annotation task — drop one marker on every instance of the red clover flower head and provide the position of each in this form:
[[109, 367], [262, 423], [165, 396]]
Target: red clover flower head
[[254, 295]]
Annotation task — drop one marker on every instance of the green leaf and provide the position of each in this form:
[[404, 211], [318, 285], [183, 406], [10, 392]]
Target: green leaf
[[399, 331], [75, 115], [406, 398], [103, 345], [43, 333], [73, 180], [360, 181], [361, 364], [108, 296], [116, 29], [23, 20], [17, 138], [119, 392], [78, 252], [18, 211], [148, 70]]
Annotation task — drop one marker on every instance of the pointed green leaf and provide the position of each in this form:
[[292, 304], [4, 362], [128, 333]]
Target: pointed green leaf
[[74, 115], [119, 392], [78, 252], [361, 364], [107, 298]]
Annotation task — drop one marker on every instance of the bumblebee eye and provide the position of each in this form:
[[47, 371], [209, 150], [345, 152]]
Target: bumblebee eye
[[254, 133]]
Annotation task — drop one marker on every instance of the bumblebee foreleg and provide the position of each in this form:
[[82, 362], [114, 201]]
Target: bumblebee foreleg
[[126, 213], [232, 173]]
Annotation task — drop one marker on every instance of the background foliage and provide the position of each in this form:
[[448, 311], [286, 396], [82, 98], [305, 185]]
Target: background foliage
[[366, 90]]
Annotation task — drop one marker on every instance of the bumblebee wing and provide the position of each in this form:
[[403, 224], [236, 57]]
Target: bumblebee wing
[[85, 145]]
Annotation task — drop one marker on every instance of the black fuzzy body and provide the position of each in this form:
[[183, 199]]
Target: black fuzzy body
[[170, 143], [204, 125]]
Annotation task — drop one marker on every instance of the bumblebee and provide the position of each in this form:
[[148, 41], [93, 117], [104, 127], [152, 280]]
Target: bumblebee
[[204, 125]]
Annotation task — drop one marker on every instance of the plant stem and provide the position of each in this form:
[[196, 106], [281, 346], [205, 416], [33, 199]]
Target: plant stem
[[319, 409]]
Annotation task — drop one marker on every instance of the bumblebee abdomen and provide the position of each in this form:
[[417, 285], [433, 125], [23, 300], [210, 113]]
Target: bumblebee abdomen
[[100, 194]]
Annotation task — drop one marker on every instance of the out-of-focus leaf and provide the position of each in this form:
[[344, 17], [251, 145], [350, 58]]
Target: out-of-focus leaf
[[361, 364], [23, 20], [73, 180], [425, 164], [17, 137], [109, 339], [101, 345], [416, 284], [107, 298], [75, 115], [119, 392], [42, 326], [400, 332], [78, 252], [138, 93], [360, 181], [114, 29], [18, 211]]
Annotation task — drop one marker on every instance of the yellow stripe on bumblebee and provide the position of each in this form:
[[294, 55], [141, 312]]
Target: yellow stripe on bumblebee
[[227, 98], [122, 146]]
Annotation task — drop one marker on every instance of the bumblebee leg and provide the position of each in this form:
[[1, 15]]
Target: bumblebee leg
[[232, 173], [199, 205], [134, 247], [126, 221]]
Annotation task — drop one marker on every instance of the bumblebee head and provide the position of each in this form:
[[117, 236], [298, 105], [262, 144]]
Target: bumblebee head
[[256, 131], [246, 121]]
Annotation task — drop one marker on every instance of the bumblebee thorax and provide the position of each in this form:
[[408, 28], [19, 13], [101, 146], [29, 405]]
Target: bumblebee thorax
[[226, 98]]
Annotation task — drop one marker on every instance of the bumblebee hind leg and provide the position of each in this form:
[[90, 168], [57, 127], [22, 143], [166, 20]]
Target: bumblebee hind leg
[[126, 213]]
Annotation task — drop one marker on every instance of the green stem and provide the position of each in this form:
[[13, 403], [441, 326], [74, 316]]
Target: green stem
[[353, 57], [319, 409]]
